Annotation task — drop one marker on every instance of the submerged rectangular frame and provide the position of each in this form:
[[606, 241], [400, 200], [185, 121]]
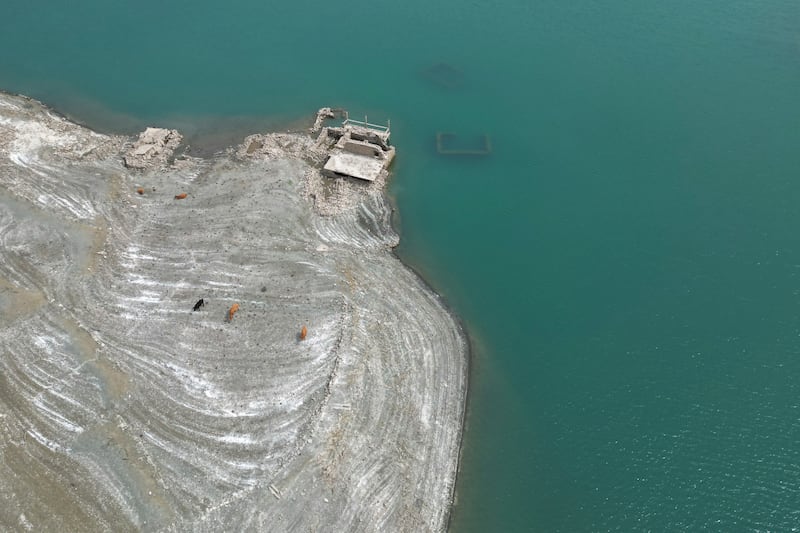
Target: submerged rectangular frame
[[443, 136]]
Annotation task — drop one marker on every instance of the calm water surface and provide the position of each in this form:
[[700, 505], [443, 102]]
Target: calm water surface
[[626, 261]]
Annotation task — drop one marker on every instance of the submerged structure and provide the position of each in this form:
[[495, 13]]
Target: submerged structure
[[444, 75], [447, 144]]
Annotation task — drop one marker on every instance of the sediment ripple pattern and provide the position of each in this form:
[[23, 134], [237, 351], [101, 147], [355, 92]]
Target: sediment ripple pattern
[[121, 408]]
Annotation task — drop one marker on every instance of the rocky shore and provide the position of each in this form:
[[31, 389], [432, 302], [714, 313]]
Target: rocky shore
[[123, 409]]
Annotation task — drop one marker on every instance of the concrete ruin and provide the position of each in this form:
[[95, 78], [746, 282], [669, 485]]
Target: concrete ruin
[[359, 149]]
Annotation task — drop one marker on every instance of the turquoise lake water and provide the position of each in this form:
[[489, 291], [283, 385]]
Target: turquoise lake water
[[626, 261]]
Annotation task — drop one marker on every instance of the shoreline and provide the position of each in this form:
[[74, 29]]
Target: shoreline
[[470, 353], [213, 134], [206, 165]]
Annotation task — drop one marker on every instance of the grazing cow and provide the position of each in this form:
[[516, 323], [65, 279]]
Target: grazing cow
[[180, 196], [200, 303], [303, 333], [140, 190], [231, 311]]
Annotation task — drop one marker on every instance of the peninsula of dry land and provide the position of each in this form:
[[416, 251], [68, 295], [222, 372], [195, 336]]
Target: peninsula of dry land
[[121, 408]]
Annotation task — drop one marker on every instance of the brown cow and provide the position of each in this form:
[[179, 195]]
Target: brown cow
[[180, 196], [232, 311], [303, 333]]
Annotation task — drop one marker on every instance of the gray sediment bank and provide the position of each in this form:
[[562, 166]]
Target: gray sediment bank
[[123, 409]]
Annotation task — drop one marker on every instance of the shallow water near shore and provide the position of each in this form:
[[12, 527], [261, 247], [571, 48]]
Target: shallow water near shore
[[625, 260]]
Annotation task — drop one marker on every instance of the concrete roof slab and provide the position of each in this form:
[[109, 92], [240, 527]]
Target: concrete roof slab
[[357, 166]]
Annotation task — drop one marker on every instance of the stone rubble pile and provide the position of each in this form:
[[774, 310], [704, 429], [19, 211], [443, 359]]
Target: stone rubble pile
[[154, 148]]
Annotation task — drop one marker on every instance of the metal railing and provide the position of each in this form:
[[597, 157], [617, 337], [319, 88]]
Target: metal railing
[[366, 124]]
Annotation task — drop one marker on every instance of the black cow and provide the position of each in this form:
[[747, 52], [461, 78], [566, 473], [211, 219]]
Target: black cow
[[200, 303]]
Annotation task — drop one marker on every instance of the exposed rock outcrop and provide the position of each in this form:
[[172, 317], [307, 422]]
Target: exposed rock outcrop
[[153, 149]]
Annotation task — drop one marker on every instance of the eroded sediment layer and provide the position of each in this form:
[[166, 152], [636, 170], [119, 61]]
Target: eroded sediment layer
[[120, 408]]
